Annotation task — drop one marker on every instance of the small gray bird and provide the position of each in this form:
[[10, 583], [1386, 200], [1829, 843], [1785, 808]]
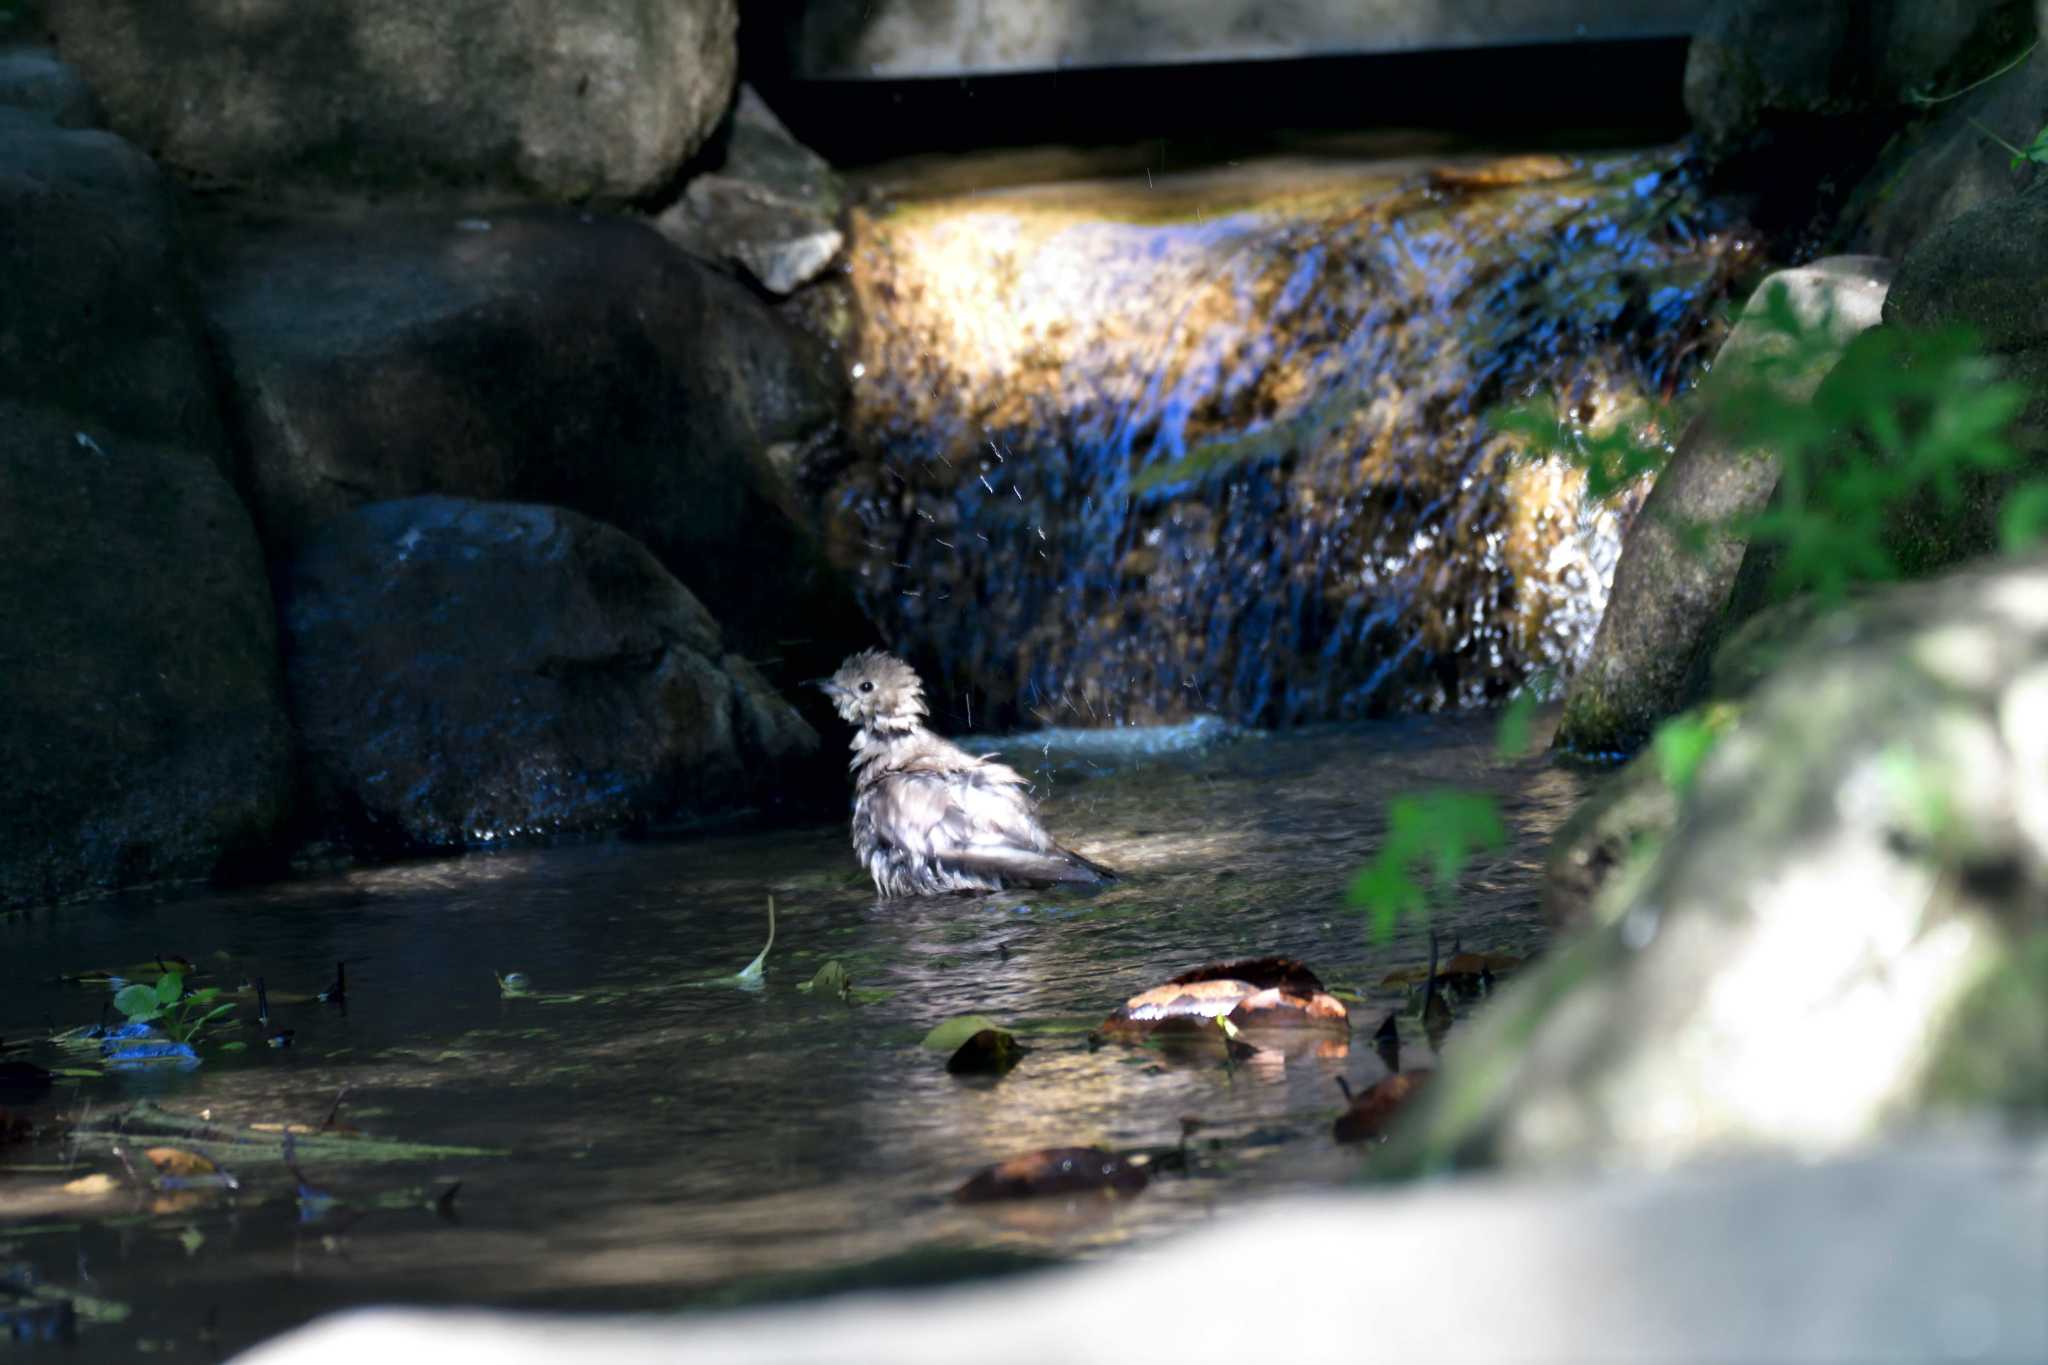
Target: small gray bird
[[928, 816]]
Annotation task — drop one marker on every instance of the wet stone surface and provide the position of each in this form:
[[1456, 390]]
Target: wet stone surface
[[1132, 449], [675, 1140]]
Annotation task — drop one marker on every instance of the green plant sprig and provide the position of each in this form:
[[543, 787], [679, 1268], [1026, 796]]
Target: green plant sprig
[[183, 1016]]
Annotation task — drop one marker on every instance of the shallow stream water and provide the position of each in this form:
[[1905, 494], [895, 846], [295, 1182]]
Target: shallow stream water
[[672, 1140]]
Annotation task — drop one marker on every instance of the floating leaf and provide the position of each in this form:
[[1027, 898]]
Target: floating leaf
[[137, 1002], [176, 1161], [949, 1034], [831, 980]]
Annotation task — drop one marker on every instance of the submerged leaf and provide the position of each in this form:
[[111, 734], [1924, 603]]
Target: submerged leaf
[[991, 1052], [1055, 1171]]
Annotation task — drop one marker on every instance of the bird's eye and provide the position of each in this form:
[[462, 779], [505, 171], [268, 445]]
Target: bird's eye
[[867, 687]]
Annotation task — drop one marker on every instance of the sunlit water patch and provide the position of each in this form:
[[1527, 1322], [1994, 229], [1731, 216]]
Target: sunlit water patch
[[673, 1139], [1142, 449]]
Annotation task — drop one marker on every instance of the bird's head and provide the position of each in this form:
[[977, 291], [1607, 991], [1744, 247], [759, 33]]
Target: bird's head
[[876, 691]]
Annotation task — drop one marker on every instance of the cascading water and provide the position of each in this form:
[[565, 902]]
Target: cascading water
[[1130, 452]]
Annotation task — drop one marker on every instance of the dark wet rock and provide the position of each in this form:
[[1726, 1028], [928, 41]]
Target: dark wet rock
[[32, 79], [464, 672], [141, 721], [96, 313], [1947, 163], [1852, 906], [771, 209], [1668, 594], [142, 729], [541, 356], [603, 99], [1799, 75], [1983, 271]]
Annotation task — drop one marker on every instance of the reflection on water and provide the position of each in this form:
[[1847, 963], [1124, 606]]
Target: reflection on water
[[675, 1140]]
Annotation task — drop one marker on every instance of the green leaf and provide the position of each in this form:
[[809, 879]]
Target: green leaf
[[1680, 746], [234, 1047], [2023, 519], [832, 979], [1511, 735], [137, 1002], [948, 1035], [169, 987]]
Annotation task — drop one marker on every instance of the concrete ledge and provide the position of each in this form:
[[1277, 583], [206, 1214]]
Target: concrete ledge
[[1932, 1251], [897, 39]]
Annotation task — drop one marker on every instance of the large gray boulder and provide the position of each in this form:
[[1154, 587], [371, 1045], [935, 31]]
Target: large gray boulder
[[142, 729], [540, 356], [1843, 927], [463, 673], [599, 99], [1663, 612]]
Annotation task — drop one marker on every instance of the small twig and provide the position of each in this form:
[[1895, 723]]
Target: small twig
[[1929, 101]]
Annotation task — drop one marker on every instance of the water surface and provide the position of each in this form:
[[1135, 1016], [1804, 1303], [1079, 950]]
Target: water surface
[[675, 1143]]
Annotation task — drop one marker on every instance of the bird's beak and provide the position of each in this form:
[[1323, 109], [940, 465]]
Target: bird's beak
[[827, 686]]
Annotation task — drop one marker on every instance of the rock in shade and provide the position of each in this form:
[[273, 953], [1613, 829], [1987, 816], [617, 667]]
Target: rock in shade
[[142, 728], [466, 672], [32, 79], [577, 360], [602, 99]]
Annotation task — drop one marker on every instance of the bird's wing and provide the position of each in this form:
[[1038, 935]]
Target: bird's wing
[[977, 820]]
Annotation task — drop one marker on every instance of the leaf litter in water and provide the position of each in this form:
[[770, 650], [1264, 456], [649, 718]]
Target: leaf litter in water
[[990, 1052], [1278, 998], [1055, 1171], [948, 1034], [1375, 1108]]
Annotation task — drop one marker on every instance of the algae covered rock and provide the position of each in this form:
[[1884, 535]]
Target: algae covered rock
[[1851, 902]]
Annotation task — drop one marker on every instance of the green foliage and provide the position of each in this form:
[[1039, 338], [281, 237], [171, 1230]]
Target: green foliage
[[181, 1015], [1903, 427], [1902, 424], [1680, 745], [1437, 832], [1512, 734], [1611, 460], [2034, 153]]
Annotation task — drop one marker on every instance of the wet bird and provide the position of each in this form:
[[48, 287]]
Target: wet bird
[[929, 817]]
